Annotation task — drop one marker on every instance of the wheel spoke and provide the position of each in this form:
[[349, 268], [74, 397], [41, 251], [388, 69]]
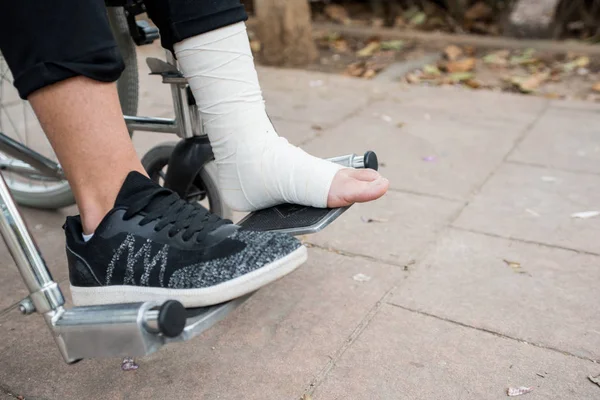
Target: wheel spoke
[[12, 109]]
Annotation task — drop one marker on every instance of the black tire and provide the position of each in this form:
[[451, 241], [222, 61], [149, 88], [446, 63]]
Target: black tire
[[155, 160]]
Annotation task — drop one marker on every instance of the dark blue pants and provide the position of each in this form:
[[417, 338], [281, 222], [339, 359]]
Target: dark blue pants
[[47, 41]]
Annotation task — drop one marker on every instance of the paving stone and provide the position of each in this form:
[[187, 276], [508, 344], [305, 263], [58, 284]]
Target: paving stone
[[563, 138], [11, 285], [297, 133], [536, 204], [577, 105], [427, 146], [551, 299], [270, 348], [46, 229], [315, 98], [471, 107], [9, 396], [275, 344], [402, 224], [403, 355]]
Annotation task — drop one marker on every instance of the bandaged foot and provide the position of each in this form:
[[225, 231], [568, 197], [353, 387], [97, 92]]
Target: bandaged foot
[[256, 167]]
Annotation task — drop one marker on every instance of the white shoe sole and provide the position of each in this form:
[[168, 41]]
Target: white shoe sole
[[237, 287]]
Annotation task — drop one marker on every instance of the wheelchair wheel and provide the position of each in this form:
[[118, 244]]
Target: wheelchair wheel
[[18, 121], [204, 189]]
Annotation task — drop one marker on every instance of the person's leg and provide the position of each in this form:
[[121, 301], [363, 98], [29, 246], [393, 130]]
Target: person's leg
[[65, 61], [148, 244], [83, 121], [257, 168]]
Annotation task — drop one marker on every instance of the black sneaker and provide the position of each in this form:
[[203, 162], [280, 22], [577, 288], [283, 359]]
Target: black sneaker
[[155, 246]]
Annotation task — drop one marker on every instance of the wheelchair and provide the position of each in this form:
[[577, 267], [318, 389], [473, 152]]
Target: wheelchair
[[31, 178]]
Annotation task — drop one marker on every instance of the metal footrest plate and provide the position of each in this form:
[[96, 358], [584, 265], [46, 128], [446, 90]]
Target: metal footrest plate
[[291, 218]]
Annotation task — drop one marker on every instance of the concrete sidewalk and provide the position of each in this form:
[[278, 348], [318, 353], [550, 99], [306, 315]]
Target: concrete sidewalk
[[481, 182]]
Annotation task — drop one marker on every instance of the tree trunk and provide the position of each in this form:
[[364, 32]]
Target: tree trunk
[[531, 18], [285, 32]]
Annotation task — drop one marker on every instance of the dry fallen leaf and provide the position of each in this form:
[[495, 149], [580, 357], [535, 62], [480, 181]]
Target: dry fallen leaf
[[453, 52], [337, 13], [525, 58], [306, 397], [552, 96], [431, 70], [473, 83], [512, 264], [255, 45], [518, 391], [579, 62], [369, 49], [458, 77], [340, 45], [369, 73], [392, 45], [595, 379], [466, 65], [486, 28], [355, 69], [596, 87], [479, 11], [418, 19], [412, 78], [498, 58], [531, 83]]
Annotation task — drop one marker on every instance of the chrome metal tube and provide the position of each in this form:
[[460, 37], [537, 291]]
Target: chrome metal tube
[[180, 103], [45, 293], [23, 169], [21, 152], [107, 331], [151, 321], [182, 111], [350, 161], [150, 124]]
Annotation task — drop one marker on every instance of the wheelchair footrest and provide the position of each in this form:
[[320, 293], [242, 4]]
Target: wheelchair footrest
[[291, 218], [202, 318], [130, 330], [301, 220]]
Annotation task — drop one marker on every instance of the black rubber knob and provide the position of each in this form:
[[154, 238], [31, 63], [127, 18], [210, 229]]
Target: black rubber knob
[[371, 160], [171, 318]]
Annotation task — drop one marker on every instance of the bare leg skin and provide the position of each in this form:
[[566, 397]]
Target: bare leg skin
[[83, 121]]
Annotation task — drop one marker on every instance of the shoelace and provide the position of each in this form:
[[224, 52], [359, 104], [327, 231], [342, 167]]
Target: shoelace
[[170, 210]]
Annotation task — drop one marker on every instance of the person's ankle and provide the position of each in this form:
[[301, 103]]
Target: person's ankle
[[94, 204], [91, 217], [95, 201]]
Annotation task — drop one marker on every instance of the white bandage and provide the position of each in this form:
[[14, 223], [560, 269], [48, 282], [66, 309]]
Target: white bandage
[[256, 167]]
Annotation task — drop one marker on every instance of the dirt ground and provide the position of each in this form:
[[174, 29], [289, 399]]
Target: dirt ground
[[527, 71]]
